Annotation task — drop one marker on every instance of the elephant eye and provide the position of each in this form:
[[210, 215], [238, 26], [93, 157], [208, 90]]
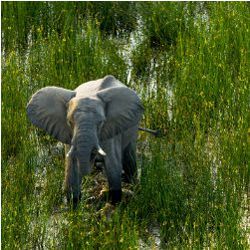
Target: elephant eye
[[100, 124]]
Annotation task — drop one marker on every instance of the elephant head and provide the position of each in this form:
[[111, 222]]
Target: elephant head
[[84, 123]]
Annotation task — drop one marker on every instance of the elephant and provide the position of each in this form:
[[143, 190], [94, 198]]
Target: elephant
[[99, 118]]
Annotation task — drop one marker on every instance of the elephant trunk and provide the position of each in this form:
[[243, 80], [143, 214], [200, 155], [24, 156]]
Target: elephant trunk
[[85, 144]]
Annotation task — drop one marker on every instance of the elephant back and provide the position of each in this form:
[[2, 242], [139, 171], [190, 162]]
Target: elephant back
[[92, 87]]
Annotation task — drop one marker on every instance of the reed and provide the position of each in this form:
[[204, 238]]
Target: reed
[[189, 62]]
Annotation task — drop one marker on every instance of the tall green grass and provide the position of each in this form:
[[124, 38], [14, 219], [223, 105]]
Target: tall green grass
[[190, 67]]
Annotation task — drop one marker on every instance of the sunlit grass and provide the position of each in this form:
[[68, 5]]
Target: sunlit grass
[[194, 82]]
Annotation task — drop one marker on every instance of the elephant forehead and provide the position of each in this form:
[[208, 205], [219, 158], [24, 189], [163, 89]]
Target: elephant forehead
[[89, 104], [83, 108]]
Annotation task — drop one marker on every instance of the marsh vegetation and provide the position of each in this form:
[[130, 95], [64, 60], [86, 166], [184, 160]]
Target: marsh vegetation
[[189, 62]]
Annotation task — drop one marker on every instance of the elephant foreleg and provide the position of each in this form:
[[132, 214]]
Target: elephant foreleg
[[129, 164], [113, 172], [113, 169], [72, 182]]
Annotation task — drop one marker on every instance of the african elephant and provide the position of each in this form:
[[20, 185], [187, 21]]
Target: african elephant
[[99, 117]]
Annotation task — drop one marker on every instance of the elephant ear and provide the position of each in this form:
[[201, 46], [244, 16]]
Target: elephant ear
[[47, 109], [123, 110]]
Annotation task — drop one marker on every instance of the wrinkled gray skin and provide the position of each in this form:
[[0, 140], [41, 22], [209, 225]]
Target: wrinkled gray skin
[[98, 117]]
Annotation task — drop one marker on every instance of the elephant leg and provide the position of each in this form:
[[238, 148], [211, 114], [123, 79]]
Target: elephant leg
[[72, 182], [129, 164], [113, 170]]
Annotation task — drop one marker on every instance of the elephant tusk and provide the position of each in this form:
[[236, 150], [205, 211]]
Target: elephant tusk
[[70, 151], [100, 151]]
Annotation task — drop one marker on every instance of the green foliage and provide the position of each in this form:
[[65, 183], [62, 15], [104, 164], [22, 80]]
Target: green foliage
[[114, 18], [163, 21], [190, 66], [25, 21]]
